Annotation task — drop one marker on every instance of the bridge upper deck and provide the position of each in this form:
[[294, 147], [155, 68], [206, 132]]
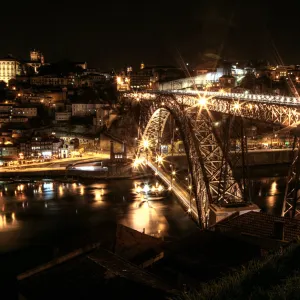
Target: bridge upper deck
[[262, 98]]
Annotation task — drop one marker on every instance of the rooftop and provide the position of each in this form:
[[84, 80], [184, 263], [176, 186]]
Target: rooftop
[[99, 274], [262, 225]]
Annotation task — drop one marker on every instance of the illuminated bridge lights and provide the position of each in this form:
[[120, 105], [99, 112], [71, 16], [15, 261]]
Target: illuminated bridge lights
[[159, 159], [138, 161], [270, 99], [269, 108], [202, 101], [208, 184], [145, 143]]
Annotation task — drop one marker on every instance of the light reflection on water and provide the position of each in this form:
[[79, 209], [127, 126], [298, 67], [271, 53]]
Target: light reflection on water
[[129, 208], [31, 209], [268, 194], [8, 221]]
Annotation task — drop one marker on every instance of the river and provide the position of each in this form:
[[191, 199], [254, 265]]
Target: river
[[46, 217]]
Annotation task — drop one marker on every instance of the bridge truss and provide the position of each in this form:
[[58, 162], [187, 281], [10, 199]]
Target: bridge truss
[[211, 173], [211, 169]]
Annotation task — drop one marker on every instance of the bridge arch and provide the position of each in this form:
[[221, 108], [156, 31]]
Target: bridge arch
[[211, 174]]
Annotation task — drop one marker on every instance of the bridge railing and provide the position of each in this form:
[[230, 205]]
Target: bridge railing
[[276, 99]]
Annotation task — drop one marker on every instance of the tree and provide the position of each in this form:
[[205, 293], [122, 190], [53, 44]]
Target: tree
[[61, 68], [3, 85]]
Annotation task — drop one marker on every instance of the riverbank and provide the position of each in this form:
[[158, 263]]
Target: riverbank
[[62, 173]]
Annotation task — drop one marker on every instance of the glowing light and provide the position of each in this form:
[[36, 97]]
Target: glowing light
[[190, 187], [60, 190], [202, 101], [85, 168], [160, 188], [274, 187], [137, 162], [173, 172], [145, 144], [153, 189], [146, 188], [98, 196], [159, 159], [169, 188], [138, 189], [81, 190], [189, 210], [236, 105]]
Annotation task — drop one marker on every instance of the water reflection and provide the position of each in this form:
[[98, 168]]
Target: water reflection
[[44, 207], [268, 194], [8, 222]]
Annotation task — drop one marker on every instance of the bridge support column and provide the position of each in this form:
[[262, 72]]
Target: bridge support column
[[292, 195]]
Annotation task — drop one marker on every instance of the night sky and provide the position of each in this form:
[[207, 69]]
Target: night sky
[[110, 34]]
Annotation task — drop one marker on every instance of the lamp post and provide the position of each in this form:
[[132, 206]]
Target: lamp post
[[188, 178], [173, 173]]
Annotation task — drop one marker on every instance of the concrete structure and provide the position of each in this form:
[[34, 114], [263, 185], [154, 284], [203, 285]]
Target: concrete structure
[[120, 156], [268, 231]]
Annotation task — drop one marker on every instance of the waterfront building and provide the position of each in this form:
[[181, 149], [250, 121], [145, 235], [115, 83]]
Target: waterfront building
[[8, 151], [46, 147]]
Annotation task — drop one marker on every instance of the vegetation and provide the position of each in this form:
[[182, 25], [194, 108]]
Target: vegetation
[[61, 68], [275, 277]]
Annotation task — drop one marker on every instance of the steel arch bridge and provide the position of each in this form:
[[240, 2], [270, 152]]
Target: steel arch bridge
[[211, 174], [211, 169]]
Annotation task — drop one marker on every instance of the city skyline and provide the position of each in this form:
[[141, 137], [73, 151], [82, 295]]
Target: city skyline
[[112, 35]]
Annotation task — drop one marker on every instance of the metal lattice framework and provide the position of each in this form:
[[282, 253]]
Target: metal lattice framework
[[291, 195], [279, 113], [212, 178], [284, 111]]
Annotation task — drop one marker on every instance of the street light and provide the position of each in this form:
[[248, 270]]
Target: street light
[[145, 144], [202, 101], [159, 159]]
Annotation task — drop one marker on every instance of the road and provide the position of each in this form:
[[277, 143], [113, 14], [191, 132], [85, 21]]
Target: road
[[181, 193], [57, 164]]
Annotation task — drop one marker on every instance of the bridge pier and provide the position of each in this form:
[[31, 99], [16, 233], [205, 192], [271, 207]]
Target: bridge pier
[[217, 213]]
